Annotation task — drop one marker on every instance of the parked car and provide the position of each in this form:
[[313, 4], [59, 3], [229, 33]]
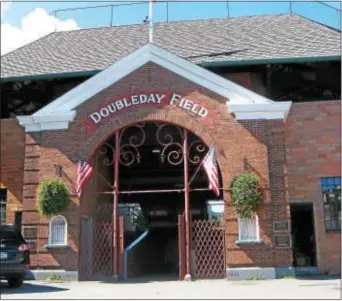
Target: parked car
[[14, 255]]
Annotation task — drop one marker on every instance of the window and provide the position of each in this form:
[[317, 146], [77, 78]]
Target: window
[[331, 195], [215, 209], [58, 231], [249, 229], [3, 201]]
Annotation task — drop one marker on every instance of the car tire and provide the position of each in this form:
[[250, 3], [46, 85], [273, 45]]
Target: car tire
[[15, 281]]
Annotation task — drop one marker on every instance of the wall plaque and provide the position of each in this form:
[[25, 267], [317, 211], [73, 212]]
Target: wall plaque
[[282, 240], [281, 226], [30, 233], [32, 245]]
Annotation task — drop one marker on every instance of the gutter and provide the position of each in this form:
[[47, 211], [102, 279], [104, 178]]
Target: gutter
[[50, 76], [90, 73], [289, 60]]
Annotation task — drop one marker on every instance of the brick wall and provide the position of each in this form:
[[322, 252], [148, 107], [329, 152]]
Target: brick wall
[[259, 142], [313, 147], [250, 80], [12, 164]]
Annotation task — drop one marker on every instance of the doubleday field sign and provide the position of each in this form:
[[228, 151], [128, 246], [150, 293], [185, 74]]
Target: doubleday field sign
[[143, 99]]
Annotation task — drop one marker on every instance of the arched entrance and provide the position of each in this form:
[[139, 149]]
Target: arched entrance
[[149, 180]]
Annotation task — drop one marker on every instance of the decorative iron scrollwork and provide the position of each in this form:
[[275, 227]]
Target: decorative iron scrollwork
[[104, 151], [172, 149], [194, 150], [168, 136], [132, 138]]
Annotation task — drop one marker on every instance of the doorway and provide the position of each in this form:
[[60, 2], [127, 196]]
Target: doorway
[[303, 235], [151, 172]]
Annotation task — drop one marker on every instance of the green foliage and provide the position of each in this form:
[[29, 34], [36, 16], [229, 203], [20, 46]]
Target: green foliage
[[53, 197], [288, 277], [54, 278], [257, 277], [246, 196]]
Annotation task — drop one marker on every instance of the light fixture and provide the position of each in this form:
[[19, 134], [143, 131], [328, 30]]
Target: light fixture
[[156, 151], [59, 170]]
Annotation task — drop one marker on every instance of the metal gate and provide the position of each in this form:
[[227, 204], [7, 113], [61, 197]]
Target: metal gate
[[97, 249], [208, 245], [102, 244], [103, 249]]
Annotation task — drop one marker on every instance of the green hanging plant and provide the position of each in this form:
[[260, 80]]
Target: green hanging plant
[[246, 195], [53, 197]]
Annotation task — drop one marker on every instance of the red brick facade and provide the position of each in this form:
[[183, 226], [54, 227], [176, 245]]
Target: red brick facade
[[260, 143], [313, 146], [12, 165]]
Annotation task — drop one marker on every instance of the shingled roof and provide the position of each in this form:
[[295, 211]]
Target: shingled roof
[[211, 40]]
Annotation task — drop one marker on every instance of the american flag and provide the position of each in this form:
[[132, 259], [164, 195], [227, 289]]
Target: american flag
[[85, 170], [210, 167]]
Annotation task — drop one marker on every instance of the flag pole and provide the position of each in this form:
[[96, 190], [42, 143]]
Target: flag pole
[[198, 168], [151, 21]]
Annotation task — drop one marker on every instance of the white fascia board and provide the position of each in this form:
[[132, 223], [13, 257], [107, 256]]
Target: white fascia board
[[274, 110], [36, 123]]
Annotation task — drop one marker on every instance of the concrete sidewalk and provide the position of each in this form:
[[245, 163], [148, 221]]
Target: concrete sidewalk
[[321, 288]]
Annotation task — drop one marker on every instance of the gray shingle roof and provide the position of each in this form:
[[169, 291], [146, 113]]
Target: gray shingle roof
[[211, 40]]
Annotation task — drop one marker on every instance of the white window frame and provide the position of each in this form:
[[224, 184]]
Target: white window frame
[[257, 239], [65, 241]]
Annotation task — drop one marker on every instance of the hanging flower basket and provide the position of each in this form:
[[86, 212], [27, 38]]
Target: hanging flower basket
[[246, 195], [53, 197]]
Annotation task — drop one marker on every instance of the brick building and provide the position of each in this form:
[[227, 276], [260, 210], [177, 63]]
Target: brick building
[[270, 107]]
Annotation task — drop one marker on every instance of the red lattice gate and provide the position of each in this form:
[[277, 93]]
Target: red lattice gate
[[96, 252], [103, 249], [208, 244]]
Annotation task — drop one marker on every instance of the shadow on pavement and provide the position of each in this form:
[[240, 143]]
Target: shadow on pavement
[[30, 288], [136, 280], [317, 277]]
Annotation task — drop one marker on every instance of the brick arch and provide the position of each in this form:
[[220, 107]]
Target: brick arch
[[175, 117]]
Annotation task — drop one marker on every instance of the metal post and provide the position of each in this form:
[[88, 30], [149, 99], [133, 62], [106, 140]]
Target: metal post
[[151, 21], [167, 12], [187, 207], [116, 207], [111, 15], [55, 20]]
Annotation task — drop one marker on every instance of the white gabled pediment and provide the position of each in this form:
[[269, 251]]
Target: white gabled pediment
[[237, 96]]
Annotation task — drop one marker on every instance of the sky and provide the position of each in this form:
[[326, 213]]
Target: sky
[[26, 21]]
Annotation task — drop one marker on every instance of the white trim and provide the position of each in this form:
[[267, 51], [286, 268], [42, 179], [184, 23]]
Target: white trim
[[52, 121], [257, 239], [65, 242], [276, 110]]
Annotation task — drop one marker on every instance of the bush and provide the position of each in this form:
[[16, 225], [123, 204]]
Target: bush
[[246, 196], [53, 197]]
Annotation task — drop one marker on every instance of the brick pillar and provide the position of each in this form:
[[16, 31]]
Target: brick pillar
[[278, 189]]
